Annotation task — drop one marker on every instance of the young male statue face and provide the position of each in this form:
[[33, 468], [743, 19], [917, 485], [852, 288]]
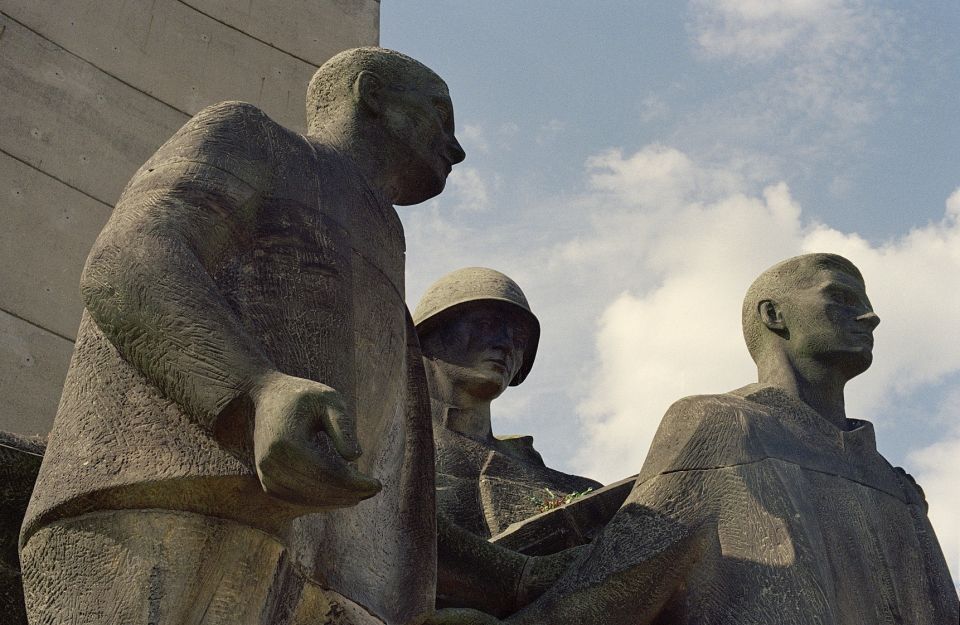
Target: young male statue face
[[828, 323], [480, 350], [392, 116], [420, 122]]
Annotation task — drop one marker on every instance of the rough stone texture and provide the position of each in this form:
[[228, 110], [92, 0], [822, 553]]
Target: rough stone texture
[[245, 337], [19, 462], [766, 504], [129, 567], [91, 91], [812, 524], [569, 525], [455, 292], [479, 336], [485, 488]]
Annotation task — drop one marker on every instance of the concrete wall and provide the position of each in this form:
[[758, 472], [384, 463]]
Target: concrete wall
[[88, 90]]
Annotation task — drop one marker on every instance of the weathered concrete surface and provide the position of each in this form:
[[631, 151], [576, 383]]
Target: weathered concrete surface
[[33, 362], [121, 568], [40, 273], [71, 120], [174, 53], [304, 28], [92, 88]]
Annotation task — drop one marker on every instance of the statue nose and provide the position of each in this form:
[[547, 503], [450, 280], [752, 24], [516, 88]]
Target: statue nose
[[871, 318], [455, 151]]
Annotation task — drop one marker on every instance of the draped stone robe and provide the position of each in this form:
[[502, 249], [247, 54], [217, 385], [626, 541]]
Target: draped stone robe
[[282, 240], [753, 509]]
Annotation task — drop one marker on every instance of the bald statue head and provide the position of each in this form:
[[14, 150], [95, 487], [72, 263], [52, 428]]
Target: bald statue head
[[391, 115], [810, 309]]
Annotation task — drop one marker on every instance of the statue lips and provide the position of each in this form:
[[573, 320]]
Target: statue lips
[[499, 363], [867, 336], [447, 162]]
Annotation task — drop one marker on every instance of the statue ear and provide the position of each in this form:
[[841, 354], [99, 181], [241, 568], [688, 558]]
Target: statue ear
[[771, 316], [368, 91]]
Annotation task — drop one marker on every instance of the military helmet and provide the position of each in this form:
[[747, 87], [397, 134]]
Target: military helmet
[[476, 284]]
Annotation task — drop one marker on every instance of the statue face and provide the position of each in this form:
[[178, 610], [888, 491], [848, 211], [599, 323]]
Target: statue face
[[420, 119], [832, 321], [480, 350]]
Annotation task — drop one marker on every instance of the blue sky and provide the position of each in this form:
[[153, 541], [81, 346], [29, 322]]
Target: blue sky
[[633, 165]]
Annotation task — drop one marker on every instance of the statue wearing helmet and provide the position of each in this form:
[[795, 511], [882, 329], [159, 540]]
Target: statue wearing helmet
[[479, 336]]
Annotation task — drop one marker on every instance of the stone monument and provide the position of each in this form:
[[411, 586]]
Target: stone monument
[[479, 336], [766, 504], [246, 374], [20, 458]]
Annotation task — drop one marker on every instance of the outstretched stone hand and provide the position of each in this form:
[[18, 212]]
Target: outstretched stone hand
[[303, 442]]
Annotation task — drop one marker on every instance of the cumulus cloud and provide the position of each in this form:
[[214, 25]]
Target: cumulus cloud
[[469, 188], [686, 240], [804, 77], [754, 30], [679, 332], [638, 283], [937, 470]]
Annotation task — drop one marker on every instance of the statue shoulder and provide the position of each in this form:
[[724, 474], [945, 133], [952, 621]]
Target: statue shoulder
[[227, 135], [704, 432], [232, 115], [231, 147]]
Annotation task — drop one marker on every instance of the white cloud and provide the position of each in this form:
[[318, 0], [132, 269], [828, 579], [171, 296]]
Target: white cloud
[[685, 255], [473, 137], [679, 333], [757, 31], [803, 78], [469, 189], [937, 470]]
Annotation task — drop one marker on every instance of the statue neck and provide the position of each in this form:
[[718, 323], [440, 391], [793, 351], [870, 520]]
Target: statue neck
[[456, 409], [352, 140], [813, 383]]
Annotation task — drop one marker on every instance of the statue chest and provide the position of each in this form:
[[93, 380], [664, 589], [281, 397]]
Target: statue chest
[[320, 289]]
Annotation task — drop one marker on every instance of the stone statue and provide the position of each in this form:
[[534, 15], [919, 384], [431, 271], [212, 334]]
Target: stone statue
[[245, 359], [20, 458], [766, 504], [479, 336]]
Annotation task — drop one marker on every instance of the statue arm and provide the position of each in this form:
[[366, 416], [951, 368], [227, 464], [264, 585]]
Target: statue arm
[[628, 576], [148, 284], [474, 572], [636, 566]]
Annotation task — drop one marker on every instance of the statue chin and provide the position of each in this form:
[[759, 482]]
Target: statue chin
[[483, 386]]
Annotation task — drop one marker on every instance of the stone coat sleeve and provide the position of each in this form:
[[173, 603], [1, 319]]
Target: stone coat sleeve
[[631, 573], [147, 283]]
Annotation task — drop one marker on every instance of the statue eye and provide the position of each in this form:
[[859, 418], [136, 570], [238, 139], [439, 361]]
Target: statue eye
[[846, 298], [444, 110]]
